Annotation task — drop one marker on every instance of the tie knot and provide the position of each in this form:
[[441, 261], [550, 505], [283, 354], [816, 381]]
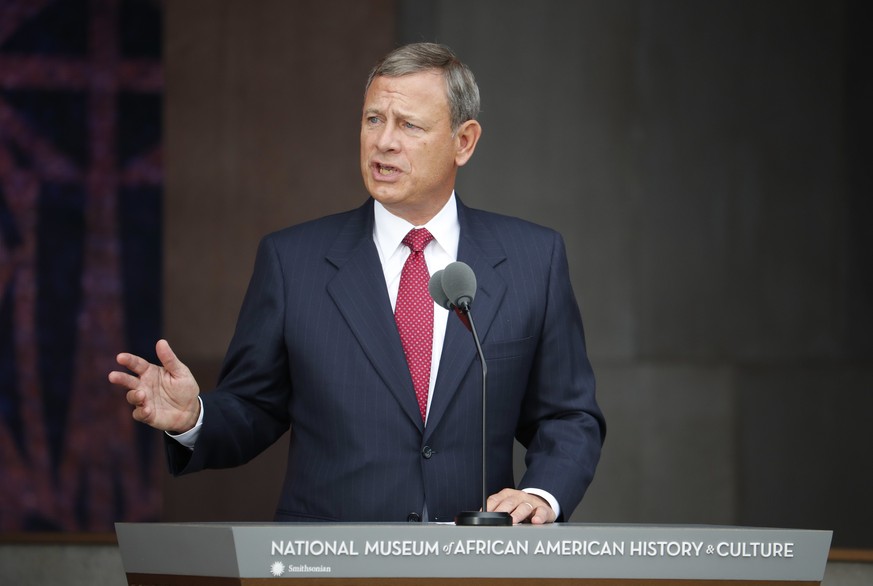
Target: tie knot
[[417, 239]]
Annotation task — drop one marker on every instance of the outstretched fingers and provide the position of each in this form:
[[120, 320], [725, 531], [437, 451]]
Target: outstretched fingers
[[163, 395], [133, 363], [139, 383], [123, 379]]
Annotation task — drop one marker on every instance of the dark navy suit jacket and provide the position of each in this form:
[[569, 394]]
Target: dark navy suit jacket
[[316, 348]]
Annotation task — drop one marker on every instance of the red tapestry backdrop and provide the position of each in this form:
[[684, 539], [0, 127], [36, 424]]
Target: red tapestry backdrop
[[80, 258]]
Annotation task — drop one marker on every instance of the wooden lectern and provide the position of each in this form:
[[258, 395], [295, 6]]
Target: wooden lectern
[[219, 554]]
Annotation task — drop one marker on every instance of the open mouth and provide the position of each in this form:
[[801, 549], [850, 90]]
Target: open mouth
[[386, 169]]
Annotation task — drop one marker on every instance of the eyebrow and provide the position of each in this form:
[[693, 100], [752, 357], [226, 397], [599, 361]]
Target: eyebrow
[[415, 119]]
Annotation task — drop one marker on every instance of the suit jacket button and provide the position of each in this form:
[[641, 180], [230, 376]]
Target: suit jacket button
[[413, 518], [427, 452]]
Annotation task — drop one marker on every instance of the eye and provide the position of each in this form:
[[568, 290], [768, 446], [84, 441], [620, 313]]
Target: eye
[[373, 120], [410, 126]]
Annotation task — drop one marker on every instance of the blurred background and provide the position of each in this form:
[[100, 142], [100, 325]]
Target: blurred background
[[708, 163]]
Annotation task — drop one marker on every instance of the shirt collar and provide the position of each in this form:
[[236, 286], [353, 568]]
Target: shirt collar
[[389, 230]]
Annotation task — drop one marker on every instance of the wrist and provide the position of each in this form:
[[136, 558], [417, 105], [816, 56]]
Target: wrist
[[193, 418]]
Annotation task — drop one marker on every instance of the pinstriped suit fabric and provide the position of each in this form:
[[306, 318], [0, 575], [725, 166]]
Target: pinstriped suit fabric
[[316, 348]]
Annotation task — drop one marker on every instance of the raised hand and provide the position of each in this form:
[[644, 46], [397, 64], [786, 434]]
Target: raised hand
[[164, 397]]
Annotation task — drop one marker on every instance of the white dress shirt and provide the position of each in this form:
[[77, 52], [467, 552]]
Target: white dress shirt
[[388, 234]]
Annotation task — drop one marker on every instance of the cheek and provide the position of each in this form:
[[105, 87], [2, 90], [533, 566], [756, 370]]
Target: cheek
[[365, 143], [431, 159], [437, 164], [364, 164]]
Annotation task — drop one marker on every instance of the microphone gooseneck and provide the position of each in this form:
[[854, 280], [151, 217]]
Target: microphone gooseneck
[[455, 288]]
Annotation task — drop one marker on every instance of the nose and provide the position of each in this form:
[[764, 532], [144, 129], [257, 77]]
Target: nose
[[386, 141]]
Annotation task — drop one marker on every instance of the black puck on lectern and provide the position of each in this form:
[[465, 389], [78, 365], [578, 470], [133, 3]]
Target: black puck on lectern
[[473, 518]]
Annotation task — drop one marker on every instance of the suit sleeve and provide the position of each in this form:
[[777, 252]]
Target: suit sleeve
[[561, 424], [248, 410]]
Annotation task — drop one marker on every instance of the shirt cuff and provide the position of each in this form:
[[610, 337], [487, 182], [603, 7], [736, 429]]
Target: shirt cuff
[[189, 438], [553, 502]]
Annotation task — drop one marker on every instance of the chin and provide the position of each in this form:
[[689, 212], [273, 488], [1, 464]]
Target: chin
[[385, 196]]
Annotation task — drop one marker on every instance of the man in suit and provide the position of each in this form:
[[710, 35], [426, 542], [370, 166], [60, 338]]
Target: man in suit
[[381, 390]]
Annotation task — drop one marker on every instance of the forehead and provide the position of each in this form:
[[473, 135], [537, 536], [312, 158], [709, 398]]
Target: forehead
[[421, 90]]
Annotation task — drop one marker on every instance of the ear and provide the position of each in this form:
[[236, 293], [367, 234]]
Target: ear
[[466, 138]]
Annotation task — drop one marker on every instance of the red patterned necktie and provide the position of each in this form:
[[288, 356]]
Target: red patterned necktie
[[413, 313]]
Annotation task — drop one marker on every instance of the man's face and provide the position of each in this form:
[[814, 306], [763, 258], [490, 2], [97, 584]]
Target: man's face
[[409, 156]]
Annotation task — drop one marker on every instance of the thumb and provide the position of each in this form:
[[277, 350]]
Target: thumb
[[169, 360]]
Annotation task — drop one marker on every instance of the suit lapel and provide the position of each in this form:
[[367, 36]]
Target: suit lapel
[[359, 291], [483, 252]]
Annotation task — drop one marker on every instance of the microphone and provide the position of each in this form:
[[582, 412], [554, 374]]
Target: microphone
[[455, 287], [439, 296], [435, 288], [459, 284]]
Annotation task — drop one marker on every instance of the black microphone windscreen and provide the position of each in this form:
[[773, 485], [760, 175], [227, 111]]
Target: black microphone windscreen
[[435, 287], [459, 284]]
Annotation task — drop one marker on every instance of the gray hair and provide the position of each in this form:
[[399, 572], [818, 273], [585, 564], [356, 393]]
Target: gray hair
[[461, 88]]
